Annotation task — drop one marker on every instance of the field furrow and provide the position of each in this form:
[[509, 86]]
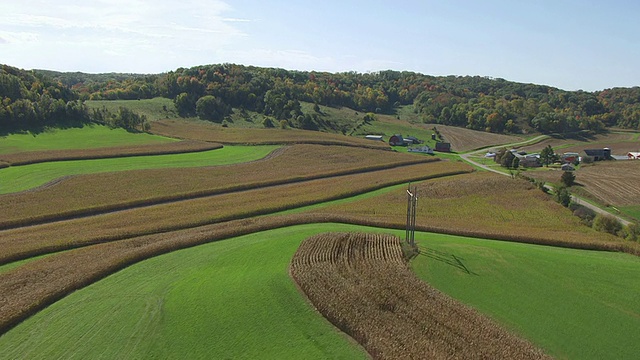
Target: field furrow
[[379, 302]]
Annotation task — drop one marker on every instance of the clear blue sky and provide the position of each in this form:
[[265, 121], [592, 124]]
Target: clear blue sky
[[570, 44]]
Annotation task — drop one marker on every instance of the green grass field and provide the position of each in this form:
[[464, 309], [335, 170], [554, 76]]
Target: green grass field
[[18, 178], [234, 299], [88, 137], [228, 299], [575, 304], [154, 109]]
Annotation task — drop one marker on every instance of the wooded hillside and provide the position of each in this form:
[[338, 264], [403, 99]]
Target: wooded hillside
[[212, 91]]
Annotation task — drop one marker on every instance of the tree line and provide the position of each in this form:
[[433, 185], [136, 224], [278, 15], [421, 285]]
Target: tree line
[[213, 91]]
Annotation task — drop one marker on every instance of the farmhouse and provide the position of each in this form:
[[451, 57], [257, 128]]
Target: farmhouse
[[633, 155], [374, 137], [443, 146], [527, 160], [599, 154], [397, 140], [423, 150]]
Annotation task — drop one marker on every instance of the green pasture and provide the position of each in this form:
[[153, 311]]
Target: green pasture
[[631, 211], [87, 137], [18, 178], [230, 299], [234, 299], [575, 304], [154, 109]]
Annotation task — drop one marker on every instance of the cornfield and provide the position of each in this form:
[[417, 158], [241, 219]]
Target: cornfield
[[362, 284]]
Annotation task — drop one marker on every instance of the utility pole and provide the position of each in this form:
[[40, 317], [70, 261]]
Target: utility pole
[[412, 202]]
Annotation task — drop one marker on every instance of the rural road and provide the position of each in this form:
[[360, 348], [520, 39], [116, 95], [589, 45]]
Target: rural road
[[577, 200]]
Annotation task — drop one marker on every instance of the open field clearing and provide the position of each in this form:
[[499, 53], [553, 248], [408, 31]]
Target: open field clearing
[[462, 139], [609, 181], [216, 133], [177, 147], [620, 143], [88, 137], [228, 299], [485, 205], [28, 241], [154, 109], [121, 190], [362, 284], [575, 304], [19, 178]]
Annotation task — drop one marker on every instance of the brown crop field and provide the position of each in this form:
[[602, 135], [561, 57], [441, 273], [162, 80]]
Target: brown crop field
[[209, 132], [620, 143], [486, 205], [362, 284], [611, 182], [120, 190], [24, 242], [462, 139], [178, 147]]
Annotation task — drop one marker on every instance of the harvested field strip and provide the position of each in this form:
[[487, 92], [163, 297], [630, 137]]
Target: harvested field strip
[[236, 291], [206, 132], [178, 147], [361, 283], [19, 178], [77, 196], [24, 242]]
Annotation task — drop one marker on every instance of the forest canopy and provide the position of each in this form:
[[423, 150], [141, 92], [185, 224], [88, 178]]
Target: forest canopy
[[213, 91]]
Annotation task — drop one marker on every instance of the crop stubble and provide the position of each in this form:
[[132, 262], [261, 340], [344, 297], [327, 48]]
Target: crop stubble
[[206, 132], [362, 284]]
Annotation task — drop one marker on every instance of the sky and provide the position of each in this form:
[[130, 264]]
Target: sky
[[570, 44]]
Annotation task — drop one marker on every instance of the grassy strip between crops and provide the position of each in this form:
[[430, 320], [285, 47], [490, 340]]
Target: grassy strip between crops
[[178, 147], [574, 304], [87, 137], [29, 241], [228, 299], [362, 284], [119, 190], [20, 178]]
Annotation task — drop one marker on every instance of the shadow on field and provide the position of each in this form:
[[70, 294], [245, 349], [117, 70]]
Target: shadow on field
[[449, 259]]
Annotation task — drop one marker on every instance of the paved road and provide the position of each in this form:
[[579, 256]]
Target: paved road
[[577, 200]]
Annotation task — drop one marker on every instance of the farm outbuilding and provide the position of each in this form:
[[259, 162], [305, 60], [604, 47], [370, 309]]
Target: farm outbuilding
[[397, 140], [599, 154], [373, 137], [570, 157], [567, 167], [443, 146]]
